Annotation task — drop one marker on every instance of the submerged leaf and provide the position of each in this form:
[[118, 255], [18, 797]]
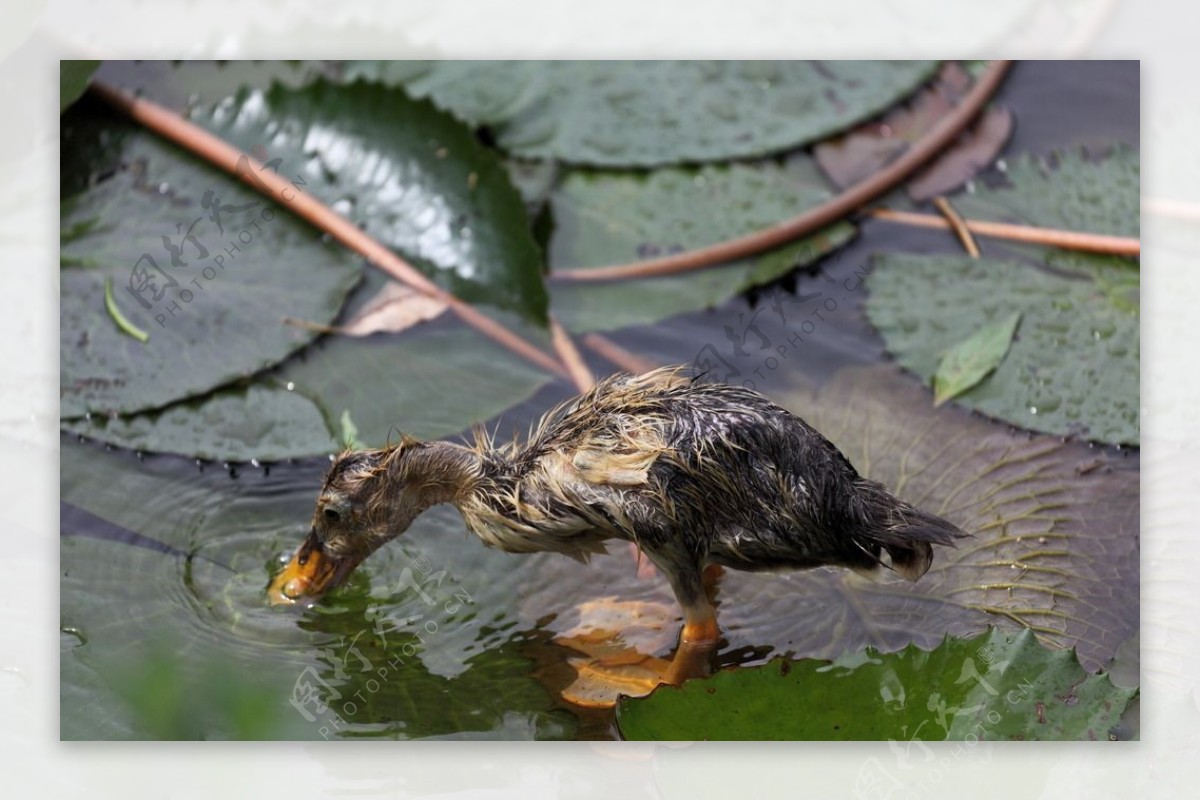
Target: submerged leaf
[[996, 686], [185, 566], [1074, 369], [645, 113], [850, 158], [616, 218], [973, 151], [412, 176], [970, 361]]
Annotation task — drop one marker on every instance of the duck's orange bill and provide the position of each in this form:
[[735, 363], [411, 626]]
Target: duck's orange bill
[[309, 574]]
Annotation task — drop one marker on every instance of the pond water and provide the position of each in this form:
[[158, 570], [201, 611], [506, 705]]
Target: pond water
[[165, 631]]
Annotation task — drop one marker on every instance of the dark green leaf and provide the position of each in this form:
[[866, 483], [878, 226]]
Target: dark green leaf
[[997, 686], [221, 320], [1073, 370], [412, 176], [611, 113], [73, 79], [615, 218], [970, 361]]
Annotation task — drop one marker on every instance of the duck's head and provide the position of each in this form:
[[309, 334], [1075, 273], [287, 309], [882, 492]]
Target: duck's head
[[369, 497]]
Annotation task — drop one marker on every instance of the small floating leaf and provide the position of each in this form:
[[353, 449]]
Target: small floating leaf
[[350, 432], [1074, 369], [111, 306], [997, 686], [970, 361]]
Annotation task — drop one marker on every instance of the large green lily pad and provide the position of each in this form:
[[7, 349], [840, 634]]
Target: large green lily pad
[[611, 113], [411, 175], [996, 686], [615, 218], [1072, 190], [212, 318], [1074, 366]]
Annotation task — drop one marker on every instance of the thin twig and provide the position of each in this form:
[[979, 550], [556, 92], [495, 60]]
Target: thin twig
[[200, 142], [959, 227], [1068, 240], [945, 131], [627, 361], [577, 368]]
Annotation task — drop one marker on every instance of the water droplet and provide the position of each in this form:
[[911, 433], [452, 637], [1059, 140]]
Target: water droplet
[[163, 188], [291, 386], [141, 457], [88, 417], [1033, 410], [1001, 165], [254, 462]]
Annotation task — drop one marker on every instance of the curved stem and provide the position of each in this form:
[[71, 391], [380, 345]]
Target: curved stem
[[944, 132], [221, 154]]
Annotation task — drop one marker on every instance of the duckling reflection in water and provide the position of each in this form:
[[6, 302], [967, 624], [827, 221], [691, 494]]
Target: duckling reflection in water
[[694, 473]]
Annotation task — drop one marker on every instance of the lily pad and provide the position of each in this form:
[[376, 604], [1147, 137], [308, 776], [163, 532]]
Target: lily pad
[[210, 296], [996, 686], [615, 114], [262, 421], [970, 361], [1074, 368], [615, 218], [411, 175], [432, 381], [1072, 190]]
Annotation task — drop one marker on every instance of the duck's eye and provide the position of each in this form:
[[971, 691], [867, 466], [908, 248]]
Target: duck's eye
[[332, 516]]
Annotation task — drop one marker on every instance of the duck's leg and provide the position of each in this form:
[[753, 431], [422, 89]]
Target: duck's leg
[[700, 619]]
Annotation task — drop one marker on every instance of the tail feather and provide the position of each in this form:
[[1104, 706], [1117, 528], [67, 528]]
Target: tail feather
[[905, 532]]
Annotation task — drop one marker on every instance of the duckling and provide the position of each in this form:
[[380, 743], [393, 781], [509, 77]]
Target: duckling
[[694, 473]]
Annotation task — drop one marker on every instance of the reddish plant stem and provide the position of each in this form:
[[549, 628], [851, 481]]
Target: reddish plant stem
[[942, 134]]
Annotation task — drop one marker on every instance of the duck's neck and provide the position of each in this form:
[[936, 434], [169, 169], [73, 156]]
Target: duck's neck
[[434, 472]]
